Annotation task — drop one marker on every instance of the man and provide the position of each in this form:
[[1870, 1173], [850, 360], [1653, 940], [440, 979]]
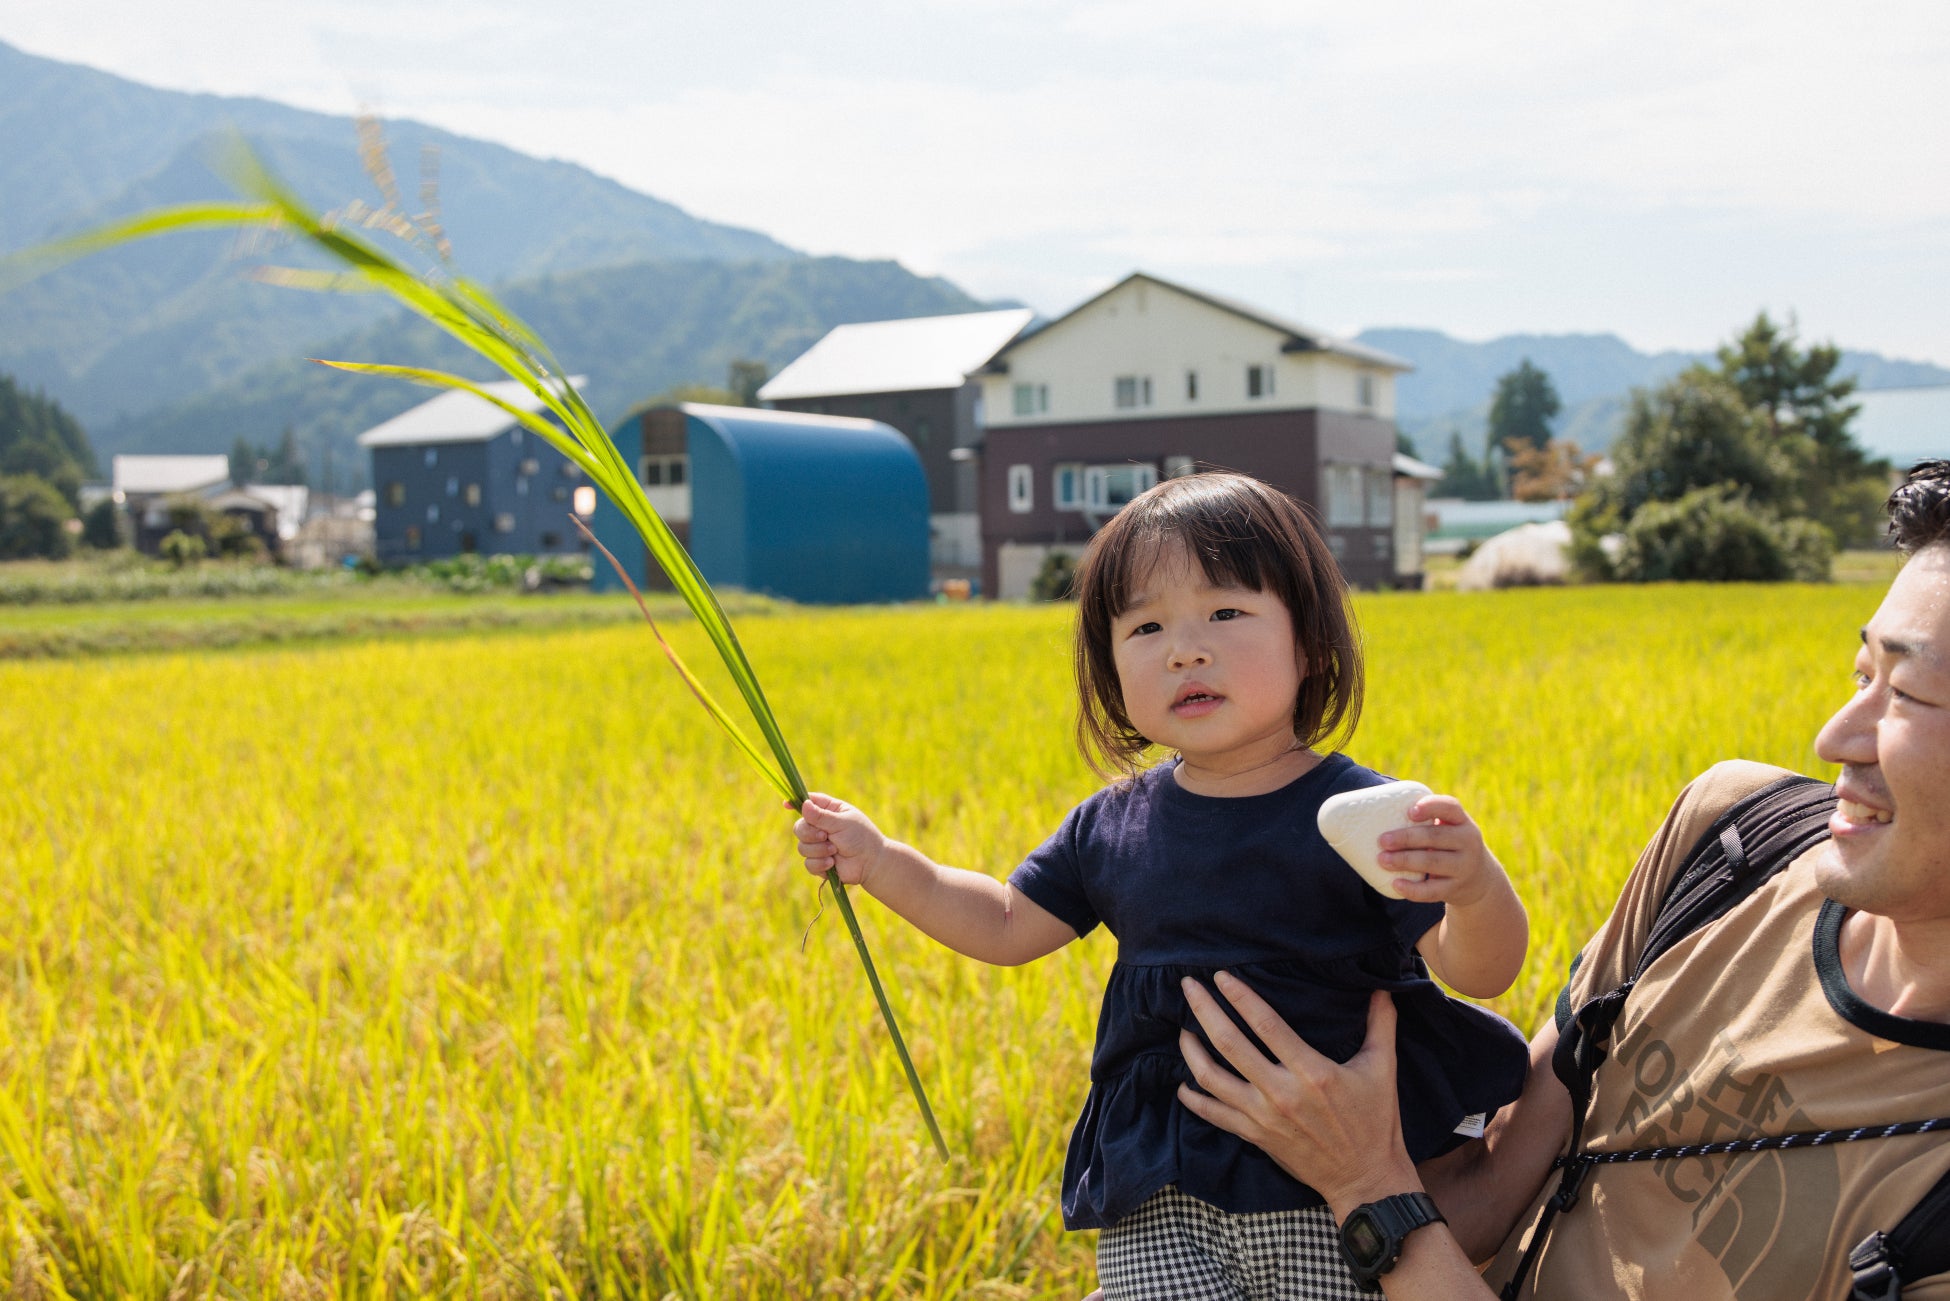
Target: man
[[1820, 1001]]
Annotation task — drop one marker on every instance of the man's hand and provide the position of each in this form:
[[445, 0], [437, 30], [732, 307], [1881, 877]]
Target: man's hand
[[834, 834], [1334, 1127]]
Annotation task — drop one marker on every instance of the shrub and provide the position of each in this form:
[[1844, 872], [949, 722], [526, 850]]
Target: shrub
[[1056, 580], [180, 548], [33, 519], [1717, 534], [102, 528]]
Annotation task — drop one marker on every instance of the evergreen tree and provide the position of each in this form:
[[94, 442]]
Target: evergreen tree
[[1466, 477], [39, 439]]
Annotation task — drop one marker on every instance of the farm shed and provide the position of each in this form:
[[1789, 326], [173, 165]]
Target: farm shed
[[819, 509], [457, 474], [913, 374]]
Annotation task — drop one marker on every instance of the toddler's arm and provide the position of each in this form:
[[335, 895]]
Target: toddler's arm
[[1478, 946], [971, 913]]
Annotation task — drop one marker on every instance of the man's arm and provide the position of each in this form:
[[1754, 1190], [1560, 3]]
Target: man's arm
[[1337, 1129]]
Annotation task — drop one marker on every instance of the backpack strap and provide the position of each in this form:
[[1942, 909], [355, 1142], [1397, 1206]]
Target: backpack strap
[[1917, 1248], [1750, 843]]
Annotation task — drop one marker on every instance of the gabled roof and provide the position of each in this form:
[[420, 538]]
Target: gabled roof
[[924, 352], [167, 474], [1299, 338], [456, 417]]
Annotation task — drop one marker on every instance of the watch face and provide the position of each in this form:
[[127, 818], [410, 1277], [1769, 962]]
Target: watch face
[[1364, 1241]]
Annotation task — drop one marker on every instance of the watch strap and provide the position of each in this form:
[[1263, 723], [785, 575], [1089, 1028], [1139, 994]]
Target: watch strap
[[1384, 1224]]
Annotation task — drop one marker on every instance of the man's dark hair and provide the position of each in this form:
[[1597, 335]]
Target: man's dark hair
[[1241, 532], [1919, 510]]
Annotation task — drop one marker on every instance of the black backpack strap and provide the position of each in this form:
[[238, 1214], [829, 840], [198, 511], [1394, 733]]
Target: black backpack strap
[[1916, 1249]]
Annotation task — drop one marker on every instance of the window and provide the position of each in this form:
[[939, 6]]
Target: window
[[922, 429], [412, 537], [433, 514], [516, 440], [570, 470], [1133, 391], [1381, 497], [531, 466], [504, 522], [396, 494], [521, 487], [468, 543], [1191, 386], [1025, 400], [1364, 390], [473, 494], [663, 471], [585, 501], [1344, 495], [1066, 489], [432, 458], [1022, 489], [1111, 487], [551, 541], [453, 485], [1177, 467], [558, 493], [1259, 381]]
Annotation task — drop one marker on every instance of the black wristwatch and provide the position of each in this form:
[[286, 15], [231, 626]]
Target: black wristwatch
[[1371, 1239]]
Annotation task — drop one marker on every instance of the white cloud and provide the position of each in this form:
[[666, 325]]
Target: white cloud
[[1369, 154]]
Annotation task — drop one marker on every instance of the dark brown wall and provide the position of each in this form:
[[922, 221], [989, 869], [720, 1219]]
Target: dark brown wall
[[931, 419], [1283, 448]]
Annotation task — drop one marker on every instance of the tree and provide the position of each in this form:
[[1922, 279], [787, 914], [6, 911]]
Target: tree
[[745, 378], [245, 461], [33, 519], [1556, 471], [1463, 476], [101, 527], [38, 438], [1806, 411], [1406, 445], [1522, 408], [1699, 489]]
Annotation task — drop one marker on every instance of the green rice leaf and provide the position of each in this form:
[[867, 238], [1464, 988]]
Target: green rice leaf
[[472, 315]]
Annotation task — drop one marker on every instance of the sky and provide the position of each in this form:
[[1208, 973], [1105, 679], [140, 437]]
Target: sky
[[1658, 170]]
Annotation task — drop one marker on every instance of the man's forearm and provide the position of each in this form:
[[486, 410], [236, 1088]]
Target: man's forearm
[[1486, 1188]]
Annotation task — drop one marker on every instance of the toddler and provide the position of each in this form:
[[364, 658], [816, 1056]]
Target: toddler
[[1213, 623]]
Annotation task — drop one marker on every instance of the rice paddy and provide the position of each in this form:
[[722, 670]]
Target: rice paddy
[[471, 965]]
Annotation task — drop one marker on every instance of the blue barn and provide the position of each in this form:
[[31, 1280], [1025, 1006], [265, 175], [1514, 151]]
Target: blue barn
[[817, 509]]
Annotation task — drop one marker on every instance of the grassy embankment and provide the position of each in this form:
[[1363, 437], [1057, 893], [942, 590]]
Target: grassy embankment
[[470, 965]]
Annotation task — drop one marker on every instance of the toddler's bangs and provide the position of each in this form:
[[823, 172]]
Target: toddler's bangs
[[1215, 526]]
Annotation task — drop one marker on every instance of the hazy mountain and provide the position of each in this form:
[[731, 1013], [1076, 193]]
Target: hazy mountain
[[121, 333], [635, 331], [1453, 380]]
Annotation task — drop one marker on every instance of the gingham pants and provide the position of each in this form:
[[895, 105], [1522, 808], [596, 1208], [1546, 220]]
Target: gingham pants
[[1177, 1248]]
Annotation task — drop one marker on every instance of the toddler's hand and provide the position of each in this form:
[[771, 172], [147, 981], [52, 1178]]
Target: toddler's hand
[[834, 834], [1445, 847]]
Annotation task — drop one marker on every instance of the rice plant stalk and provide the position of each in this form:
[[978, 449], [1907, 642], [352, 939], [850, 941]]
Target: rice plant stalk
[[473, 316]]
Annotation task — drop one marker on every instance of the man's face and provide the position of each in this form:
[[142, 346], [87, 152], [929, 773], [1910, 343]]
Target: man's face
[[1891, 849]]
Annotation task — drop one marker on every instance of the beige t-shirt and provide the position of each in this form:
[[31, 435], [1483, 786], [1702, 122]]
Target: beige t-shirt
[[1745, 1028]]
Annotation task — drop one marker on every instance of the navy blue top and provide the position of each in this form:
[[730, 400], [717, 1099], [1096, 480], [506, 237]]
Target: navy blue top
[[1192, 883]]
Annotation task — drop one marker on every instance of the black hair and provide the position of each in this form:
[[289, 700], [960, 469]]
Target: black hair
[[1244, 533], [1919, 509]]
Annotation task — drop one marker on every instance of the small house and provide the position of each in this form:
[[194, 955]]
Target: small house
[[457, 474], [915, 375], [147, 488], [1151, 379], [819, 509]]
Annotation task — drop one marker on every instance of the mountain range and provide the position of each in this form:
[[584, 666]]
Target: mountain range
[[171, 346]]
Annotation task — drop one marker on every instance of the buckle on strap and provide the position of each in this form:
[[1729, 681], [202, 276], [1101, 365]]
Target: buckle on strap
[[1877, 1276], [1566, 1196]]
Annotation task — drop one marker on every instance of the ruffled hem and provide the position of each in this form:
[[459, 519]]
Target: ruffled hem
[[1454, 1059]]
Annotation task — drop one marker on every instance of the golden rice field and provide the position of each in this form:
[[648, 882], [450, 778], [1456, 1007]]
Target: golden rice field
[[471, 966]]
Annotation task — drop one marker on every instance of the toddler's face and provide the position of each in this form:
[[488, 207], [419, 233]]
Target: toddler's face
[[1210, 671]]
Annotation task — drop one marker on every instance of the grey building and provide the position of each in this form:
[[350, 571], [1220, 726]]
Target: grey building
[[914, 375], [457, 474]]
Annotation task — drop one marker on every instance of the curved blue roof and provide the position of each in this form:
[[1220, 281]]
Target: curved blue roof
[[818, 509]]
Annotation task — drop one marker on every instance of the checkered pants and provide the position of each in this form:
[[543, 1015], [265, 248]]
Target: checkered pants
[[1177, 1248]]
